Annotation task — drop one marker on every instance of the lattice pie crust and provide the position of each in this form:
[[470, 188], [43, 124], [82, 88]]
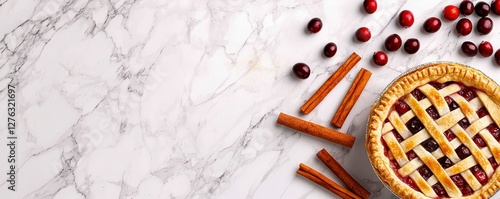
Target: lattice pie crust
[[389, 140]]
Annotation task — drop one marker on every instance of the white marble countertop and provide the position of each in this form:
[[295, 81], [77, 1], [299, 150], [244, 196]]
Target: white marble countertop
[[179, 98]]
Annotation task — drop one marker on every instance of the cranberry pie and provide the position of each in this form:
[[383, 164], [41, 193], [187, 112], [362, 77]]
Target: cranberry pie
[[434, 133]]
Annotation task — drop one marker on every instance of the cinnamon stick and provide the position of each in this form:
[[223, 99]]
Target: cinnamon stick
[[351, 97], [342, 174], [325, 182], [330, 83], [316, 130]]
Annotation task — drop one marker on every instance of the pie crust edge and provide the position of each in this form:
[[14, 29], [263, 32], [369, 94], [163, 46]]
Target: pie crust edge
[[445, 71]]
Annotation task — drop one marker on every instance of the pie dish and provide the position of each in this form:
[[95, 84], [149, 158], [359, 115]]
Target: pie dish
[[434, 133]]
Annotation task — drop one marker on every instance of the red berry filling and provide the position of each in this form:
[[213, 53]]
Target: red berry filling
[[482, 112], [449, 135], [464, 123], [425, 172], [479, 174], [432, 112], [479, 141], [402, 107], [439, 189], [414, 125], [462, 184], [463, 152], [399, 138], [430, 145], [468, 93], [493, 163], [451, 103], [445, 162], [438, 85], [494, 130], [411, 155], [418, 94]]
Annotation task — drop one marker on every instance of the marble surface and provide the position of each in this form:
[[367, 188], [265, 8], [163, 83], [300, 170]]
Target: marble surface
[[179, 98]]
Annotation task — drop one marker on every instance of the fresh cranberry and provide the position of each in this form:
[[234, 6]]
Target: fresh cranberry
[[438, 85], [497, 56], [445, 162], [466, 7], [411, 155], [363, 34], [402, 107], [432, 112], [494, 130], [464, 27], [449, 135], [398, 137], [451, 12], [495, 7], [412, 45], [418, 94], [479, 141], [439, 189], [462, 152], [468, 93], [430, 145], [314, 25], [464, 123], [414, 125], [484, 25], [425, 172], [485, 49], [330, 49], [493, 163], [393, 42], [469, 48], [301, 70], [406, 18], [482, 9], [380, 58], [451, 103], [432, 25], [370, 6], [479, 174], [482, 112]]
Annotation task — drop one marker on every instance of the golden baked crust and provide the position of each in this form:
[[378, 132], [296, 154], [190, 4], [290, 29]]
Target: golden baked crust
[[441, 72]]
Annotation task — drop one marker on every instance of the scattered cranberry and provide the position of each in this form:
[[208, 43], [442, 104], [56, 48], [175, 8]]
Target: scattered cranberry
[[495, 7], [406, 18], [485, 49], [439, 189], [430, 145], [482, 9], [464, 123], [393, 42], [414, 125], [479, 141], [402, 107], [466, 7], [479, 174], [432, 25], [445, 162], [425, 172], [418, 94], [412, 45], [464, 26], [449, 135], [469, 49], [484, 25], [314, 25], [451, 12], [330, 49], [301, 70], [497, 56], [370, 6], [380, 58], [462, 152], [363, 34]]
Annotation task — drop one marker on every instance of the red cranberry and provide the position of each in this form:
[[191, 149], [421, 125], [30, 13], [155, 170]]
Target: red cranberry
[[449, 135], [485, 49], [330, 49], [412, 45], [402, 107], [469, 49], [301, 70], [398, 137], [458, 180], [445, 162], [430, 145], [494, 130], [380, 58], [462, 152], [479, 141], [464, 123], [451, 12], [432, 25], [438, 85], [363, 34], [425, 172], [451, 103], [468, 93], [482, 112], [418, 94], [406, 18], [370, 6], [495, 7], [466, 190], [432, 112], [410, 182], [414, 125], [439, 189], [466, 7], [464, 26], [482, 9], [411, 155], [393, 42], [493, 162], [314, 25], [497, 56], [479, 174], [484, 25]]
